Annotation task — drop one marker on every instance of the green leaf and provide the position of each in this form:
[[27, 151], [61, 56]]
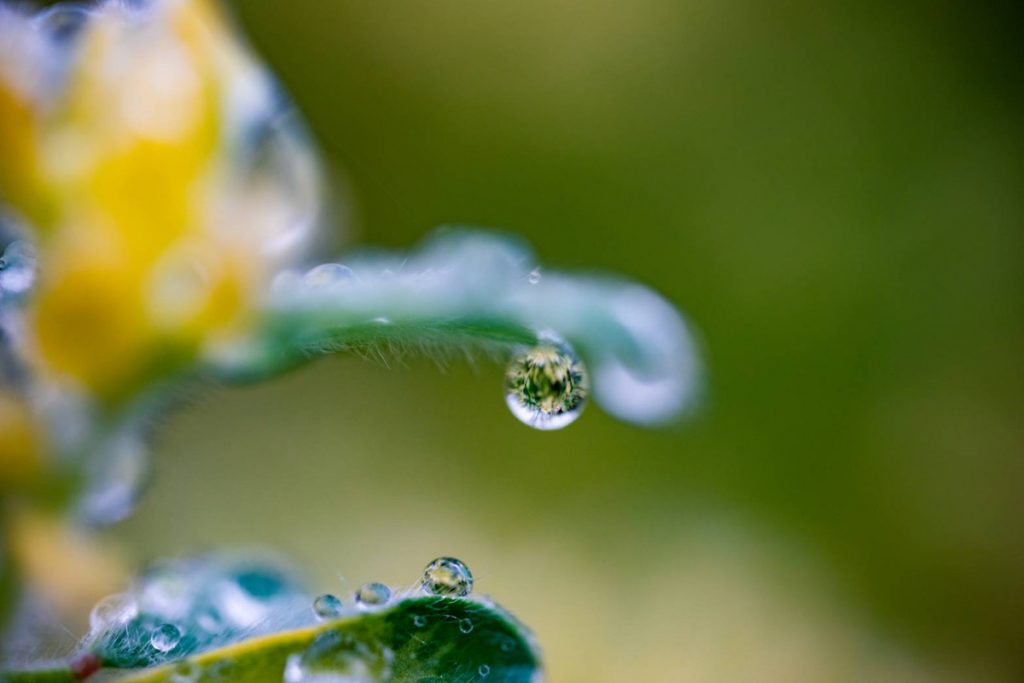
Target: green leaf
[[226, 617], [415, 639], [465, 288]]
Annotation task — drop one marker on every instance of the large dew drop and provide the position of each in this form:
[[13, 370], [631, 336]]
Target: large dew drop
[[546, 387], [448, 577]]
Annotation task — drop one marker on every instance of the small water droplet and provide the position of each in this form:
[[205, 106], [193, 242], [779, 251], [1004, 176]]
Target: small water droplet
[[114, 609], [534, 276], [449, 577], [372, 594], [165, 638], [327, 606], [185, 672], [546, 387], [419, 621], [466, 625], [328, 275], [483, 670]]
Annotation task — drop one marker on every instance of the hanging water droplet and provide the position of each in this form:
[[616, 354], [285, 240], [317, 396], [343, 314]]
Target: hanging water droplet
[[483, 670], [372, 594], [546, 387], [466, 625], [165, 638], [17, 270], [327, 606], [328, 275], [114, 609], [534, 276], [449, 577]]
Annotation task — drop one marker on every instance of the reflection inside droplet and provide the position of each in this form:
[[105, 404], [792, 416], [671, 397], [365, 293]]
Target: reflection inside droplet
[[546, 387], [448, 577]]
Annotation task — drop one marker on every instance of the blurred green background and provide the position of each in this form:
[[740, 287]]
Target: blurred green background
[[833, 192]]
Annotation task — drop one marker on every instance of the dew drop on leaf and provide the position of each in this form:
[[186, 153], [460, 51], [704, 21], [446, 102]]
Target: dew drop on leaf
[[546, 387], [165, 638], [483, 670], [114, 609], [372, 594], [327, 606], [466, 625], [448, 577]]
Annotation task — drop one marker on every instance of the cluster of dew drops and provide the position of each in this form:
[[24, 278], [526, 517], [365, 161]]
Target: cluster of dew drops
[[443, 577]]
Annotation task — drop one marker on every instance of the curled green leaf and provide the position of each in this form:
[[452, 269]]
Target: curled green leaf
[[475, 288]]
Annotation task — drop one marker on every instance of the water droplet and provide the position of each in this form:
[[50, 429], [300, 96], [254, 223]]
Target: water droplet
[[328, 275], [114, 609], [546, 387], [17, 270], [534, 276], [185, 672], [327, 606], [419, 621], [466, 625], [483, 670], [448, 577], [165, 638], [372, 594]]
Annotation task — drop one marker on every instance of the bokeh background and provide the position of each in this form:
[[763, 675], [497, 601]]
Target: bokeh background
[[832, 191]]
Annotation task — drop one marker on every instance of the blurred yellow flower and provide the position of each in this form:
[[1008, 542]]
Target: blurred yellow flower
[[139, 168]]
